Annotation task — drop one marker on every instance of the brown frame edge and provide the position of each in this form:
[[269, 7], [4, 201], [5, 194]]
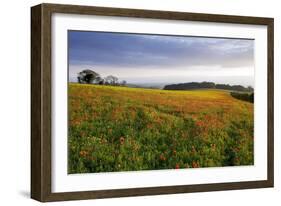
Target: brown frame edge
[[41, 101]]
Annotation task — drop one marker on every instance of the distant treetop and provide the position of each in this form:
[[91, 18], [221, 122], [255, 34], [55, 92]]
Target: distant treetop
[[207, 85], [88, 76]]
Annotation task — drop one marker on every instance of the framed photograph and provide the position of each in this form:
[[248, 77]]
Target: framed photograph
[[130, 102]]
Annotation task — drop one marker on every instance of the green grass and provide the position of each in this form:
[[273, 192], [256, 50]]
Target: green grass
[[127, 129]]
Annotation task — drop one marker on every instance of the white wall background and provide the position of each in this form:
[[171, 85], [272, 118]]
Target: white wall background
[[15, 102]]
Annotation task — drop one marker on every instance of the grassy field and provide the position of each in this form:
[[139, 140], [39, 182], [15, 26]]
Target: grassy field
[[128, 129]]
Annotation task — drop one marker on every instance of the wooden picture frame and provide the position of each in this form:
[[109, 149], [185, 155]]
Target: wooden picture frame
[[41, 83]]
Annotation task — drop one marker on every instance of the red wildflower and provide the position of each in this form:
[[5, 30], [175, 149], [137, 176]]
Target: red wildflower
[[199, 123], [162, 157], [177, 166]]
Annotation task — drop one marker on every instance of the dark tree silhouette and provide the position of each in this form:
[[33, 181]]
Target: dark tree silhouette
[[101, 81], [207, 85], [88, 76], [123, 83], [243, 96]]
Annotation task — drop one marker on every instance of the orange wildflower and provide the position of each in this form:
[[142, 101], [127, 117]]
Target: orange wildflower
[[162, 157], [122, 140], [195, 164], [83, 153]]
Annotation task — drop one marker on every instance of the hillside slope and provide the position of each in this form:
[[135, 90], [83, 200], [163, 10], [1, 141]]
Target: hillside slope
[[125, 129]]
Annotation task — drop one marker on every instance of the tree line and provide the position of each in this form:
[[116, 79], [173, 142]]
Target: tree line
[[207, 85], [249, 97], [88, 76]]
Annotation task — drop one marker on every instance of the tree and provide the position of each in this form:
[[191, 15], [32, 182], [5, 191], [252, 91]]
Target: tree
[[112, 80], [250, 89], [88, 76], [101, 81], [123, 83]]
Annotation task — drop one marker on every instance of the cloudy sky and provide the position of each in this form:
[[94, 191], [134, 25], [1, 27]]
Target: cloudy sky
[[154, 59]]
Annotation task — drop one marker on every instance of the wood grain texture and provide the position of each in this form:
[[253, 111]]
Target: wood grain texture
[[270, 102], [36, 58], [41, 101], [108, 11]]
